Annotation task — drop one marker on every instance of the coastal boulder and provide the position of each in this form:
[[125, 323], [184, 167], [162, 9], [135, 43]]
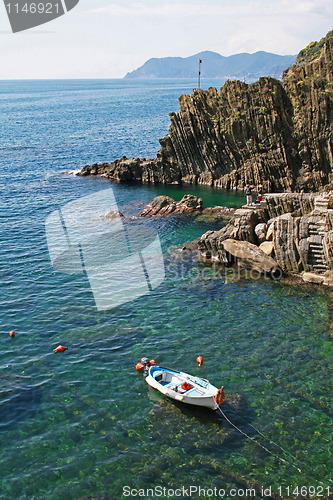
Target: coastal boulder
[[250, 256], [159, 205], [188, 203], [315, 278], [260, 231], [285, 240], [269, 232], [163, 205], [241, 227], [267, 247]]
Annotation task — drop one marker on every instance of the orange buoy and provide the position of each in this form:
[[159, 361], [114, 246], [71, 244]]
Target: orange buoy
[[199, 360], [220, 396], [139, 366], [12, 334], [186, 386], [152, 362], [60, 348]]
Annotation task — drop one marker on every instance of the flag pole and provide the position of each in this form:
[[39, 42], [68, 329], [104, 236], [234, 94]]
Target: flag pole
[[200, 61]]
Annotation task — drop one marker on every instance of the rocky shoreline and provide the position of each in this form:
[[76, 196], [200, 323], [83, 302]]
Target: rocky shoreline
[[275, 133], [288, 233], [285, 234]]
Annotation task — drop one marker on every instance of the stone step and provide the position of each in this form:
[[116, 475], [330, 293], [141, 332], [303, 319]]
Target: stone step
[[321, 203], [316, 246], [317, 264], [319, 211], [320, 269], [316, 257], [316, 241]]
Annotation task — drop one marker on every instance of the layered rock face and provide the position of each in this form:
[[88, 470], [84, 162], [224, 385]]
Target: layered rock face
[[270, 133], [294, 230]]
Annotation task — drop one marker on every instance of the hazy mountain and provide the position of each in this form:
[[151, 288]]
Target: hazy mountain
[[215, 66]]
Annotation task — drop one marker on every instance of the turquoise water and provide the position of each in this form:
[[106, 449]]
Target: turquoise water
[[84, 423]]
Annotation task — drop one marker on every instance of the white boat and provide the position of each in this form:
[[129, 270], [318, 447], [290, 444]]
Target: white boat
[[185, 388]]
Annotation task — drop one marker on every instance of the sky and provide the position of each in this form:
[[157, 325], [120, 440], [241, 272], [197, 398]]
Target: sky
[[108, 38]]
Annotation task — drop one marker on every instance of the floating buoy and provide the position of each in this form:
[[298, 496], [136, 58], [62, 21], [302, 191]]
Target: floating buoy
[[152, 362], [60, 348], [139, 366], [220, 396], [199, 360], [12, 334]]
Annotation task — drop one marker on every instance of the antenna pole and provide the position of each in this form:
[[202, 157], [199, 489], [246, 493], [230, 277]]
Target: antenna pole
[[200, 61]]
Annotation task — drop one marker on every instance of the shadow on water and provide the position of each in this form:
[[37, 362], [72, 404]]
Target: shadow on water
[[19, 400], [201, 427]]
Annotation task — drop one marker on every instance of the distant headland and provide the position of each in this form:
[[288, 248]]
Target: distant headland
[[215, 65]]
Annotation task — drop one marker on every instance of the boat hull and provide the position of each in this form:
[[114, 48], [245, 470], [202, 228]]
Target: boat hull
[[169, 382]]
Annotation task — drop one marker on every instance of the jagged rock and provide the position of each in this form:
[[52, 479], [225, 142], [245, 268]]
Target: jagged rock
[[241, 227], [297, 243], [285, 239], [163, 205], [328, 248], [295, 203], [260, 231], [113, 215], [188, 203], [313, 278], [267, 247], [278, 134], [269, 232], [251, 257], [328, 278], [160, 205]]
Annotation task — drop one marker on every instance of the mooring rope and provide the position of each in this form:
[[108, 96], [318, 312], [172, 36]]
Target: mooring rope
[[258, 444], [267, 439]]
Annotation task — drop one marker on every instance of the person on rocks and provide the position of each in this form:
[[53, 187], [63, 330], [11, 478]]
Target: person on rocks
[[248, 192], [259, 198]]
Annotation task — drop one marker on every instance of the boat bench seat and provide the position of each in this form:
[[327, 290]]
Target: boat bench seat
[[193, 392]]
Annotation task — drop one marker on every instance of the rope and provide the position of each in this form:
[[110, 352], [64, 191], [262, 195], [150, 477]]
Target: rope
[[267, 439], [256, 442]]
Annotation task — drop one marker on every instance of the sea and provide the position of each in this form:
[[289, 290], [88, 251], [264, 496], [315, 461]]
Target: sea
[[84, 423]]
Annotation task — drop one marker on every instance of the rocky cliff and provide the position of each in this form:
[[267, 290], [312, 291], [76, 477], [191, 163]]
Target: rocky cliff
[[274, 133], [294, 230]]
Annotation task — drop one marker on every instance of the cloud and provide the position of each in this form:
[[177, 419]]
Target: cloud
[[107, 38], [228, 27], [254, 8]]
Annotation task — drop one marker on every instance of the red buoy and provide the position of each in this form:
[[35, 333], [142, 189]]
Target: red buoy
[[12, 334], [139, 366], [60, 348], [199, 360], [152, 362]]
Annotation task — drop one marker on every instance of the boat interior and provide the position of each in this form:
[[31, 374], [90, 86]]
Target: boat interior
[[177, 383]]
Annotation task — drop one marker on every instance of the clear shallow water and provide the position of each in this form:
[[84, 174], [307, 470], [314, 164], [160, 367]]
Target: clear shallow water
[[84, 422]]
